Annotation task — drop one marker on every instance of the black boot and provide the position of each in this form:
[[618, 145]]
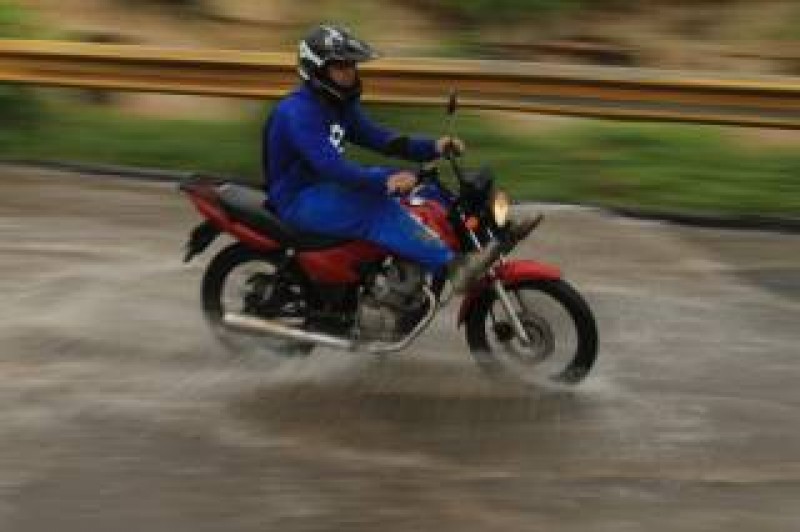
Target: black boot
[[466, 269]]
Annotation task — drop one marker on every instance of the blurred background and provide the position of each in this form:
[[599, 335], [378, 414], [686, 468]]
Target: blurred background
[[120, 411], [690, 168]]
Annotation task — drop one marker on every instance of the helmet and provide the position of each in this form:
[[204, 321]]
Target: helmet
[[326, 44]]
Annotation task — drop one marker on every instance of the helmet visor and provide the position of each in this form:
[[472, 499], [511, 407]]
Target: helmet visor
[[353, 50]]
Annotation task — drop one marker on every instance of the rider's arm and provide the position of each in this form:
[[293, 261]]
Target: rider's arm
[[310, 137], [366, 133]]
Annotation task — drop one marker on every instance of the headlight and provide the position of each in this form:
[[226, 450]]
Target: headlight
[[500, 206]]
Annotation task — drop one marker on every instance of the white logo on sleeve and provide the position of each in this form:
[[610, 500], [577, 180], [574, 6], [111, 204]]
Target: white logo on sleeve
[[337, 136]]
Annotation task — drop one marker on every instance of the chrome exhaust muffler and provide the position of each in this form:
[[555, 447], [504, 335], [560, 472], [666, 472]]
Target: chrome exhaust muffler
[[250, 325], [274, 329]]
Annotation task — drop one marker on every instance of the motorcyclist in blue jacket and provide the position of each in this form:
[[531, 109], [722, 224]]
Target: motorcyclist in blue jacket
[[314, 188]]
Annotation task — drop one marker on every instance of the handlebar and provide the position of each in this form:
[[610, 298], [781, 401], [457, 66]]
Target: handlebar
[[452, 157]]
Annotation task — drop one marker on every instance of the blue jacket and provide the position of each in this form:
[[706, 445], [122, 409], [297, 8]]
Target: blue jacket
[[305, 144]]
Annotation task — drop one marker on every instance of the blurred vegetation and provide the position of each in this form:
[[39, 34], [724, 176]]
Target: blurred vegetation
[[675, 167], [183, 7], [13, 22], [19, 107], [503, 10], [656, 166], [90, 134], [790, 29]]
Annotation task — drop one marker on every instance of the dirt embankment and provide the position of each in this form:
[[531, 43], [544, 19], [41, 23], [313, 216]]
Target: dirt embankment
[[733, 35], [740, 35], [235, 24]]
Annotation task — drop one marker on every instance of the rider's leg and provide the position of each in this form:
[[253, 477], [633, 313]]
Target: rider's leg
[[329, 208], [332, 209]]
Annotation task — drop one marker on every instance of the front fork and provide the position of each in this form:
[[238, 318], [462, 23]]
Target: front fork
[[502, 293], [512, 314]]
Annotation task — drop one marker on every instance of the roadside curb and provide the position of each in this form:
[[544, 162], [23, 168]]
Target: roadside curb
[[708, 220], [714, 221], [129, 172]]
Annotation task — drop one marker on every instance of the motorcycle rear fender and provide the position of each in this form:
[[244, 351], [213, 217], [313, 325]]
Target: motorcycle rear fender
[[509, 272], [205, 201], [200, 238]]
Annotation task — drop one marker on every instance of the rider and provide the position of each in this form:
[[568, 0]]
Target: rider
[[313, 187]]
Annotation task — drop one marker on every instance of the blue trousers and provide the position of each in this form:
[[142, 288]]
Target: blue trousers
[[332, 209]]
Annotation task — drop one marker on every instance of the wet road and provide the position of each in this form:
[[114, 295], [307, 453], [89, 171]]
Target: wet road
[[118, 411]]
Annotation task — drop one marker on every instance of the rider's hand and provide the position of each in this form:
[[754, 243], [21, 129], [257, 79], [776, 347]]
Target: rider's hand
[[453, 144], [401, 182]]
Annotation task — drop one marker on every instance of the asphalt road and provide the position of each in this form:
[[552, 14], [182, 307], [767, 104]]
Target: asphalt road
[[119, 412]]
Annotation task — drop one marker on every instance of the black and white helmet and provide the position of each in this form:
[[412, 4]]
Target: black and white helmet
[[327, 44]]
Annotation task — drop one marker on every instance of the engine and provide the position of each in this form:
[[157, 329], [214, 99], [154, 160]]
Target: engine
[[392, 303]]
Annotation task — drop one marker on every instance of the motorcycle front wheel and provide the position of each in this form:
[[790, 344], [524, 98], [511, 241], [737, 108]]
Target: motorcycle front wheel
[[562, 346]]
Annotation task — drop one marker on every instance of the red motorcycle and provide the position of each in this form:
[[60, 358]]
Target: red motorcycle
[[296, 291]]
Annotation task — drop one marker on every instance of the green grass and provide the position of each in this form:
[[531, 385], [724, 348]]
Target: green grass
[[14, 22], [17, 104], [675, 167], [112, 138]]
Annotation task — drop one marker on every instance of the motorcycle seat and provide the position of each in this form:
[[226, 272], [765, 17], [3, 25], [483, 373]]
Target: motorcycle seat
[[249, 206]]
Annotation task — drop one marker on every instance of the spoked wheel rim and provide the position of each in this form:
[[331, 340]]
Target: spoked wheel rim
[[541, 344], [245, 282], [559, 324], [249, 285], [552, 334]]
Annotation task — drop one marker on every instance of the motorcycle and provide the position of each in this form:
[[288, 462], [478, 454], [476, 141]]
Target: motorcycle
[[296, 291]]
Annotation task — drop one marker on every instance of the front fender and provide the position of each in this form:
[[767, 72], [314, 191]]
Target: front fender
[[509, 272]]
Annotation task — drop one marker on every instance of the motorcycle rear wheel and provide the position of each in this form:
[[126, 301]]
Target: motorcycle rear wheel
[[221, 285], [558, 320]]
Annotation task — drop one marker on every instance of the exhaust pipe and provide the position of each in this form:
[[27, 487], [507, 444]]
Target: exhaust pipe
[[263, 327], [274, 329]]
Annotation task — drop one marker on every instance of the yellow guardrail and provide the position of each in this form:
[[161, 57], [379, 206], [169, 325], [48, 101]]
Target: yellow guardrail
[[604, 92]]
